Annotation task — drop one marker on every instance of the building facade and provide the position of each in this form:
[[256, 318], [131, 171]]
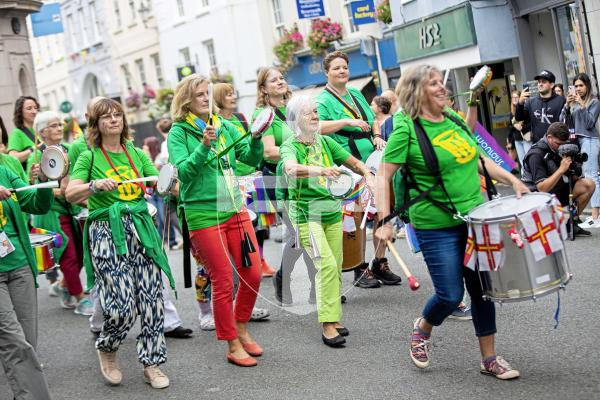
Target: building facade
[[17, 76]]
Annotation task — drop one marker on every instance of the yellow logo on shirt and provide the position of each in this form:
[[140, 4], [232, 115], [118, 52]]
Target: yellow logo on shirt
[[452, 142], [3, 218], [128, 191]]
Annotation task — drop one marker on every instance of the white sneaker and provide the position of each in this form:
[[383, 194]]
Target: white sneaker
[[590, 223], [207, 323], [259, 314], [155, 377], [55, 290], [66, 300], [84, 307]]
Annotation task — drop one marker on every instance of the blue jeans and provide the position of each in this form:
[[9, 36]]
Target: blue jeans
[[159, 203], [522, 147], [444, 250], [591, 146]]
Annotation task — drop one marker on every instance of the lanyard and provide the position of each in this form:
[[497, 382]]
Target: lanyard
[[352, 108], [131, 164]]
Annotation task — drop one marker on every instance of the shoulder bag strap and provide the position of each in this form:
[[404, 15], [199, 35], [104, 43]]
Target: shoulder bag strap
[[279, 114], [242, 118]]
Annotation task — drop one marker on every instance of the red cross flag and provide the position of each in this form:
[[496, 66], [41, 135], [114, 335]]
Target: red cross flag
[[561, 217], [541, 232], [489, 246], [470, 258]]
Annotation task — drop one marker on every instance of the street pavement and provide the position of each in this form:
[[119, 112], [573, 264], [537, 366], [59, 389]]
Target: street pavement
[[561, 363]]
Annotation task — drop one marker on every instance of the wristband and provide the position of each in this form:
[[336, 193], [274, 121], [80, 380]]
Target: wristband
[[92, 186], [377, 136]]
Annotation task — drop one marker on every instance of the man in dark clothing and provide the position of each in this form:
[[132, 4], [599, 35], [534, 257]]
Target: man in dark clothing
[[544, 170], [542, 110]]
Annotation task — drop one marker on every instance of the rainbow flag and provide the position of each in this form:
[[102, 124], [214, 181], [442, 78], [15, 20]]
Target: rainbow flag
[[259, 202], [43, 255], [76, 130]]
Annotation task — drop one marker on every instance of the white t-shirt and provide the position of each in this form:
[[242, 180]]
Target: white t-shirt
[[163, 156]]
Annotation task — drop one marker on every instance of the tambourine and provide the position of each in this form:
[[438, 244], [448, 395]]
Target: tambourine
[[167, 178], [481, 79], [54, 163], [262, 121], [372, 163], [341, 186]]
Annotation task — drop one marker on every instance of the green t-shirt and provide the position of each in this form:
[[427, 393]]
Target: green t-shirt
[[77, 147], [457, 152], [92, 165], [17, 258], [309, 197], [330, 109], [14, 165], [19, 141], [278, 129], [242, 168]]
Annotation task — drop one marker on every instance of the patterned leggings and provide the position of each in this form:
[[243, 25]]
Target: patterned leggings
[[128, 285]]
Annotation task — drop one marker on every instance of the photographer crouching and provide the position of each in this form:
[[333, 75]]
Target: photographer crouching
[[553, 165]]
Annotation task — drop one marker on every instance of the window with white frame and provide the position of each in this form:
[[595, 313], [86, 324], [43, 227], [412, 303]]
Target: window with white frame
[[278, 17], [185, 56], [117, 12], [83, 27], [132, 11], [139, 65], [210, 52], [348, 8], [95, 22], [157, 67], [180, 9], [72, 33], [126, 75]]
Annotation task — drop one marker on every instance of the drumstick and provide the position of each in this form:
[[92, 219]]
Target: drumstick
[[35, 149], [364, 220], [412, 281], [210, 102], [144, 179], [44, 185]]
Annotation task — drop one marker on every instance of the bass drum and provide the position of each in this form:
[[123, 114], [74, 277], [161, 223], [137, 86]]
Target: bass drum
[[354, 246]]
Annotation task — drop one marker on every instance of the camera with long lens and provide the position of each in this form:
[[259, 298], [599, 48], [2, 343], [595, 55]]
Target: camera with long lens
[[572, 150]]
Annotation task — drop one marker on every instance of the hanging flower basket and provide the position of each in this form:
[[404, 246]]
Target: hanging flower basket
[[291, 41], [323, 32], [384, 12]]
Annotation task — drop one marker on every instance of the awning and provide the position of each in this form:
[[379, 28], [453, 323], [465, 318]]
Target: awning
[[313, 91]]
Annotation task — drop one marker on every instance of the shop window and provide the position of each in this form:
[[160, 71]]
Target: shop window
[[570, 33]]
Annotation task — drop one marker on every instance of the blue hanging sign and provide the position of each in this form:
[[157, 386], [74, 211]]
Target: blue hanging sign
[[363, 12], [310, 8], [48, 21]]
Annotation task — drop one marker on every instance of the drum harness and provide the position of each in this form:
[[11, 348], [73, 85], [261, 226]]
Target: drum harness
[[431, 161]]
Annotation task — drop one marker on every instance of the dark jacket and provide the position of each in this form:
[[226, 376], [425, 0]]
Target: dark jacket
[[540, 113]]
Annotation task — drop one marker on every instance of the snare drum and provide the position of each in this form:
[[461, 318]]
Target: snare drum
[[54, 163], [42, 247], [354, 246], [341, 186], [521, 277]]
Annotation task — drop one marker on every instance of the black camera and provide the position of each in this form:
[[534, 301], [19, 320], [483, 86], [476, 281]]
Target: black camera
[[572, 150]]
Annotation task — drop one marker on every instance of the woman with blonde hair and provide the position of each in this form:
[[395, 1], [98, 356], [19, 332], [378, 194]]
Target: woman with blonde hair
[[205, 149], [123, 251], [442, 236]]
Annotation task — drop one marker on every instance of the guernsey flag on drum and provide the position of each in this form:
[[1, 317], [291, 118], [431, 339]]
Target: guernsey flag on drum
[[484, 246], [541, 232]]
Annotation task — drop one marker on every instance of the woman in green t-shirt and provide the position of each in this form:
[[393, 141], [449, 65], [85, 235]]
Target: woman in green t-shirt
[[205, 149], [309, 159], [121, 243], [442, 236], [22, 139], [347, 118], [49, 126]]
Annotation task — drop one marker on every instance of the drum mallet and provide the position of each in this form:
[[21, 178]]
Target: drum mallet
[[412, 281], [44, 185]]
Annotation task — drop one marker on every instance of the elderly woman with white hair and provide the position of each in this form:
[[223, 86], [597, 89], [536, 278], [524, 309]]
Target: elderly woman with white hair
[[48, 125], [309, 160]]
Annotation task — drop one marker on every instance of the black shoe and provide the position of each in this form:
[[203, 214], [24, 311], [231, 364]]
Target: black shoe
[[337, 341], [283, 297], [363, 278], [343, 331], [343, 299], [381, 270], [180, 333], [579, 231]]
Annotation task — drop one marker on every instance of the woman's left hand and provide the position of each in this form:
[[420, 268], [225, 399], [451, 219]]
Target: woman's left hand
[[519, 188], [379, 143]]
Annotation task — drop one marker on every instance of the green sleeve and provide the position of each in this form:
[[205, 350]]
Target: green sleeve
[[188, 164], [15, 166], [83, 167], [287, 152], [248, 152], [338, 153], [324, 111], [396, 150], [33, 201], [18, 141]]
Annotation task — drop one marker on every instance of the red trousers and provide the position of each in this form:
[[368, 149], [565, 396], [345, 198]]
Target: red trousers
[[72, 259], [216, 248]]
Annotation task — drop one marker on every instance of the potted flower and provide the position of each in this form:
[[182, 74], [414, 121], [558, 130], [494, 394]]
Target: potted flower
[[133, 99], [290, 42], [384, 12], [322, 33]]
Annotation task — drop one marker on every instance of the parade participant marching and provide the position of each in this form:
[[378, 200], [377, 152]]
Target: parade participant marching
[[121, 244], [347, 118], [9, 161], [48, 125], [221, 234], [18, 297], [441, 235], [21, 140], [309, 159]]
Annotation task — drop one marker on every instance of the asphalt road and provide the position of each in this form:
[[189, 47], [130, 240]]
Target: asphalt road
[[554, 363]]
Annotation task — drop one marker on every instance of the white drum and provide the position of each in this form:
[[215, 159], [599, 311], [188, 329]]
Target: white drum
[[341, 186], [54, 163], [167, 179]]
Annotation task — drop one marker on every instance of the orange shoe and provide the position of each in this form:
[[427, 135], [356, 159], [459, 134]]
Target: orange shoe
[[253, 349], [242, 362], [267, 271]]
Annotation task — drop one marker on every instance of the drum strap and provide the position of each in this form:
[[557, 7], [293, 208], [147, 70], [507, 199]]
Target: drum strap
[[187, 262], [279, 114]]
